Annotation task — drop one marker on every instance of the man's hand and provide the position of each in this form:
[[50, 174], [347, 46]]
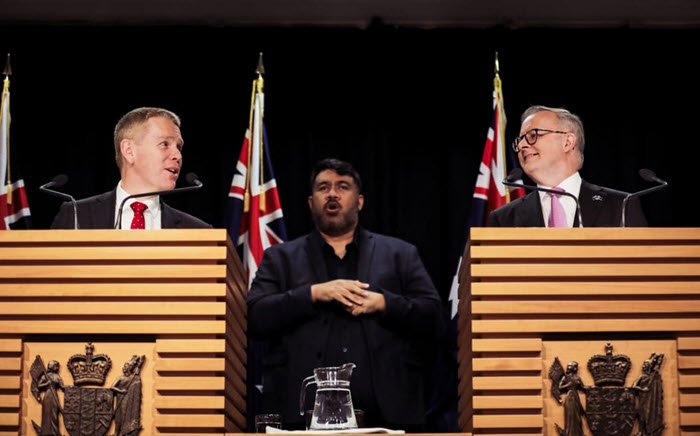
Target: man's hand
[[372, 302], [350, 293]]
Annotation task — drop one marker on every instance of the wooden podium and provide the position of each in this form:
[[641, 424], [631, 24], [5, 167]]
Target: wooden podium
[[174, 296], [530, 295]]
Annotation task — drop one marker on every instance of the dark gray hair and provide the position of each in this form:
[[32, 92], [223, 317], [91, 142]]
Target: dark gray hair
[[572, 122]]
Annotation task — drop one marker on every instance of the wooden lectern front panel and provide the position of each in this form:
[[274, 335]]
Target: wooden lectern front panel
[[531, 294], [176, 297]]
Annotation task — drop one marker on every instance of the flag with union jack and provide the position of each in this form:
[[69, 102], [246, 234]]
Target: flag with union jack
[[490, 193], [255, 221], [14, 207]]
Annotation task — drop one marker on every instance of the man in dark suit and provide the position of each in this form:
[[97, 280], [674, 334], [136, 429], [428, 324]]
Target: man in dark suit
[[148, 148], [342, 294], [550, 150]]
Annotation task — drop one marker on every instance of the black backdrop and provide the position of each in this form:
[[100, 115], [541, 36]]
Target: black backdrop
[[409, 107]]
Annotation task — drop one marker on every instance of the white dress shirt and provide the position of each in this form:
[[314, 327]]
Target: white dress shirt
[[151, 215], [571, 185]]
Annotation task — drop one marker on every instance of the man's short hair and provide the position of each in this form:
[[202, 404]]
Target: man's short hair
[[133, 119], [341, 167], [572, 122]]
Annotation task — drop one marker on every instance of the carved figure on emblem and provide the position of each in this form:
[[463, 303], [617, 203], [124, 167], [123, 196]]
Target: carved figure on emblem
[[570, 383], [48, 381], [649, 387], [611, 408], [128, 390], [88, 411]]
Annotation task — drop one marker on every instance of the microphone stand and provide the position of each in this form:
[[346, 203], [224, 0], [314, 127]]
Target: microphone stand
[[191, 178], [517, 173], [649, 176], [59, 181]]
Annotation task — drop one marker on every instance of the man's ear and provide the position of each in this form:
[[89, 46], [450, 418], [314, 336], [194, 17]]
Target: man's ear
[[309, 201], [360, 201], [128, 152], [570, 143]]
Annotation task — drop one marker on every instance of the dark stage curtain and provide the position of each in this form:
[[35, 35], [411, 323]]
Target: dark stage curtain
[[409, 107]]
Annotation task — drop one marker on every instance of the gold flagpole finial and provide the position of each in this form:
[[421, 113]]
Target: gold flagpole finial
[[8, 68]]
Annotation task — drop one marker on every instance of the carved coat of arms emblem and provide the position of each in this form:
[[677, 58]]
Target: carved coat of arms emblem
[[88, 411], [611, 408]]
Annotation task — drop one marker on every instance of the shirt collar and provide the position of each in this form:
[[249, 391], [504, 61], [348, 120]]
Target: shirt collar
[[572, 185], [153, 203], [318, 238]]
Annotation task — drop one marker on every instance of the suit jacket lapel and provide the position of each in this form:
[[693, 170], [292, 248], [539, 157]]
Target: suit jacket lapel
[[589, 209], [598, 206], [314, 244], [103, 211], [531, 213], [365, 242], [168, 219]]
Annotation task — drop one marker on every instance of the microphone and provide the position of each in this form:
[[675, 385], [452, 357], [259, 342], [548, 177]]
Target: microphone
[[517, 173], [191, 178], [59, 181], [649, 176]]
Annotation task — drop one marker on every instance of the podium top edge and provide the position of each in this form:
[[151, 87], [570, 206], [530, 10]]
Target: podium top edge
[[584, 234], [163, 235]]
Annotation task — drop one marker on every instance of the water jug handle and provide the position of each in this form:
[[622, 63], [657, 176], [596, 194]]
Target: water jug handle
[[302, 395]]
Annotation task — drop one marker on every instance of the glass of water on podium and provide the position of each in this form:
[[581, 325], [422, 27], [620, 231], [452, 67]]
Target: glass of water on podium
[[265, 420]]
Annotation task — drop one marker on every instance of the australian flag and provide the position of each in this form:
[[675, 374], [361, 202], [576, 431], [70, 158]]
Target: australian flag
[[255, 222], [14, 207], [490, 193]]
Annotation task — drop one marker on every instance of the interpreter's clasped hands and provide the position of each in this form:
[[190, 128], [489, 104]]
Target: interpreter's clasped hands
[[352, 294]]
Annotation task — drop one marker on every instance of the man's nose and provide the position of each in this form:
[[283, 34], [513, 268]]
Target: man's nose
[[177, 155]]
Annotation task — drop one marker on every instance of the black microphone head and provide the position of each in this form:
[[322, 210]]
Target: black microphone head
[[514, 174], [647, 175], [59, 180], [192, 179]]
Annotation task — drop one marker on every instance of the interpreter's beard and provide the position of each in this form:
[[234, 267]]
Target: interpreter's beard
[[343, 222]]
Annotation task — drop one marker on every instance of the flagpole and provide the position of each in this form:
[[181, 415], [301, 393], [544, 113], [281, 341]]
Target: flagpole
[[261, 143], [498, 89], [246, 194], [5, 112]]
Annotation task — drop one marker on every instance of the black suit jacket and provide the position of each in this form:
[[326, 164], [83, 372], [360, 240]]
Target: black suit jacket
[[280, 310], [98, 213], [599, 208]]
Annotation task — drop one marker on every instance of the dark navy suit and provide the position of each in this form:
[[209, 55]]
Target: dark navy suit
[[599, 208], [280, 310], [98, 213]]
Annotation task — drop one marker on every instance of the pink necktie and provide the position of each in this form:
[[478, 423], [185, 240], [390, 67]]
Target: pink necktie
[[138, 222], [557, 216]]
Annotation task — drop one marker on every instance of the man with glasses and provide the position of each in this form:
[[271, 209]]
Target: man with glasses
[[550, 150]]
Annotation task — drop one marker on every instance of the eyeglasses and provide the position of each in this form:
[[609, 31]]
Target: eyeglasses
[[531, 137]]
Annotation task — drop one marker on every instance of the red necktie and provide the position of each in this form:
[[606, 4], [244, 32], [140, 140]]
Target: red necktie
[[138, 222]]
